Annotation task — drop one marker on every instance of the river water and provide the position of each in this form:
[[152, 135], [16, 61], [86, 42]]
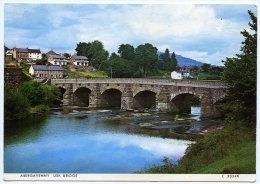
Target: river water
[[96, 141]]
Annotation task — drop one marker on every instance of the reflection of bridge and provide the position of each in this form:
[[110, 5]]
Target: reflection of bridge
[[169, 95]]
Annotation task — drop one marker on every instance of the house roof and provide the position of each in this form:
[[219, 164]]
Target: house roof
[[51, 52], [34, 51], [21, 50], [7, 49], [47, 68], [57, 57], [79, 57]]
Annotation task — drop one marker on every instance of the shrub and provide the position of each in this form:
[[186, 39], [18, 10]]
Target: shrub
[[16, 105]]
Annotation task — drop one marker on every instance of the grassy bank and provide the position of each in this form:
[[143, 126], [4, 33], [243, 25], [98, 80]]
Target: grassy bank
[[231, 150]]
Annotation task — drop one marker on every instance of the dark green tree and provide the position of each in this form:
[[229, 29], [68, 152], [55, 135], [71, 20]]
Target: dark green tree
[[167, 62], [126, 52], [67, 55], [206, 67], [33, 91], [16, 105], [240, 76], [94, 51], [146, 58]]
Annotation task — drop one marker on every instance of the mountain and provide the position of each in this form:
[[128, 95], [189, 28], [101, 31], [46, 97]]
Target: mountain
[[185, 61]]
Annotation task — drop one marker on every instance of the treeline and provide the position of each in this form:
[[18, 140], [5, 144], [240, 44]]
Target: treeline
[[232, 150], [30, 96], [128, 61]]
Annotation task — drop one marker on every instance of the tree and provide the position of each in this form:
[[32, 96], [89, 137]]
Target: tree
[[206, 67], [126, 52], [67, 55], [16, 105], [167, 62], [146, 58], [94, 51], [240, 76], [33, 91]]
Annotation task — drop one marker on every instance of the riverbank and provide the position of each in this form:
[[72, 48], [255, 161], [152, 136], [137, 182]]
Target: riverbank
[[223, 150]]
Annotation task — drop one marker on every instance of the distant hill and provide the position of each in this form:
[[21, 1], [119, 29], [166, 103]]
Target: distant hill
[[185, 61]]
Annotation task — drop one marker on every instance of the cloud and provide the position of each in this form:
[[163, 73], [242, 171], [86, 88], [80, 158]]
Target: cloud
[[186, 28]]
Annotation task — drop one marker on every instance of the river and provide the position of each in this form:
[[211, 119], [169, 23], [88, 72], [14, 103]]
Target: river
[[97, 141]]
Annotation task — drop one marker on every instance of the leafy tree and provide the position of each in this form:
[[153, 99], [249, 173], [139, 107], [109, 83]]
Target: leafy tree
[[52, 93], [146, 58], [67, 55], [33, 91], [240, 76], [206, 67], [94, 51], [167, 62], [16, 105], [126, 52]]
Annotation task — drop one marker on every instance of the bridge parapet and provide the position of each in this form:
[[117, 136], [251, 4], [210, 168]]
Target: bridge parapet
[[174, 82]]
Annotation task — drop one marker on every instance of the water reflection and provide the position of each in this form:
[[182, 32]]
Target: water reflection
[[94, 141]]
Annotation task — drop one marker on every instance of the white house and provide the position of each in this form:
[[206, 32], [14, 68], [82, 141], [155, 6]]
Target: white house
[[34, 54], [79, 60], [57, 60], [175, 75], [44, 72]]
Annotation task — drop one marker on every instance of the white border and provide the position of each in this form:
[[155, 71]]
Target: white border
[[122, 177]]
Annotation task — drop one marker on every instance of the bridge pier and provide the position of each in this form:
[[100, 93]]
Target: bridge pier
[[95, 96], [164, 100], [169, 95], [127, 97], [68, 99]]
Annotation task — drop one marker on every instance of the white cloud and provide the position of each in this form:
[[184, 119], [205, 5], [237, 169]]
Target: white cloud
[[195, 30]]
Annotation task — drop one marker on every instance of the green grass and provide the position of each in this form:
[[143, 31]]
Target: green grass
[[98, 74], [70, 72], [232, 150], [241, 161]]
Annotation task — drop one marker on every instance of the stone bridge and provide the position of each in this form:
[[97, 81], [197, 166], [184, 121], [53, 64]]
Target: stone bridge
[[167, 95]]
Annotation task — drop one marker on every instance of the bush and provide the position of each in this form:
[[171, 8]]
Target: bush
[[16, 105], [40, 108]]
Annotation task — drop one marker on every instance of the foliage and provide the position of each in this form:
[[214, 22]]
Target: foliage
[[52, 93], [195, 100], [40, 108], [200, 155], [126, 52], [94, 51], [166, 62], [146, 58], [240, 76], [205, 67], [36, 93], [16, 105]]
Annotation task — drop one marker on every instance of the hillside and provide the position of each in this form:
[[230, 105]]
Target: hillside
[[185, 61]]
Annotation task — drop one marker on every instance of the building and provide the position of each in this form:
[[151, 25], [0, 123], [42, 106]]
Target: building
[[45, 71], [176, 75], [79, 60], [57, 60], [26, 54], [51, 52]]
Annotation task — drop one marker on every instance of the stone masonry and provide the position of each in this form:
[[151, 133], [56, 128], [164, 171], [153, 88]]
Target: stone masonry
[[167, 94]]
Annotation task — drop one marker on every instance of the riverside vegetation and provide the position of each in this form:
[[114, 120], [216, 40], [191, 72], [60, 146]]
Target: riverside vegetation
[[232, 150]]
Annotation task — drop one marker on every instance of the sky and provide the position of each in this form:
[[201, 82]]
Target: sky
[[205, 32]]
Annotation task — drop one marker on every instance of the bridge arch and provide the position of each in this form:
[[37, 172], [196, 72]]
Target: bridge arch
[[81, 97], [145, 99], [181, 103], [62, 91], [111, 98]]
